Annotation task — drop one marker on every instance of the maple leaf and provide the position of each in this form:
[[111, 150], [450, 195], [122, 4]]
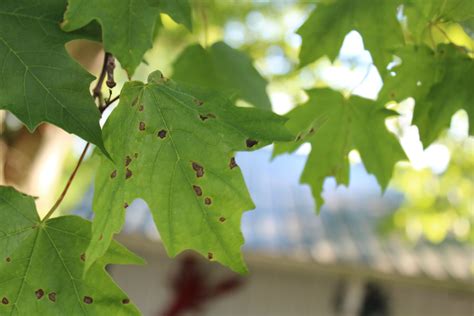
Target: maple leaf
[[334, 125], [440, 83], [42, 264], [177, 153], [39, 81], [128, 26], [325, 29], [221, 67]]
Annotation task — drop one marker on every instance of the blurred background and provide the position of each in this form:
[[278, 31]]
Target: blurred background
[[406, 251]]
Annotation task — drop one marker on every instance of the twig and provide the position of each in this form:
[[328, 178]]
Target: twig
[[68, 184]]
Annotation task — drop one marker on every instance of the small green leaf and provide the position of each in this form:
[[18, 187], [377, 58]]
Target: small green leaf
[[39, 81], [41, 265], [176, 152], [221, 67], [128, 26], [325, 29], [334, 126]]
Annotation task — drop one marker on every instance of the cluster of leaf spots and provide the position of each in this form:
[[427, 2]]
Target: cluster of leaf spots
[[186, 172], [42, 273]]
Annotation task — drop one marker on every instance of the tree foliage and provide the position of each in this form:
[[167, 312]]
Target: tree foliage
[[173, 143]]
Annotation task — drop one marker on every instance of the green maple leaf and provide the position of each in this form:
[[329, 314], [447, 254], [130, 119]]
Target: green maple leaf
[[424, 15], [325, 29], [334, 125], [440, 83], [42, 264], [221, 67], [453, 92], [176, 152], [39, 81], [128, 26]]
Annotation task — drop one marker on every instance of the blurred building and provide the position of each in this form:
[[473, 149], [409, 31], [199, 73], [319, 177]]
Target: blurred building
[[335, 263]]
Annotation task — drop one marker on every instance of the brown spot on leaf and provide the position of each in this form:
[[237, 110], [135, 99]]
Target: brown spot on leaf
[[101, 237], [125, 301], [5, 301], [88, 300], [8, 259], [141, 108], [198, 102], [113, 174], [210, 256], [141, 126], [39, 293], [52, 296], [199, 169], [311, 131], [128, 173], [392, 95], [83, 257], [203, 117], [197, 189], [251, 142], [128, 160], [208, 201], [298, 138], [125, 205], [222, 219], [232, 163], [162, 134]]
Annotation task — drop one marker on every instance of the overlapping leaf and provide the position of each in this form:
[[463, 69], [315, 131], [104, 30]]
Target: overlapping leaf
[[325, 29], [128, 26], [39, 82], [334, 126], [176, 152], [440, 82], [42, 264], [221, 67]]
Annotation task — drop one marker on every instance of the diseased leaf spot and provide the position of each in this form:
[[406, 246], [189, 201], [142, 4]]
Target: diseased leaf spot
[[88, 300], [198, 102], [125, 301], [232, 163], [83, 257], [298, 138], [222, 219], [8, 259], [39, 293], [251, 142], [113, 174], [199, 169], [128, 173], [5, 301], [125, 205], [162, 134], [208, 201], [101, 237], [128, 160], [52, 296], [141, 126], [203, 117], [311, 131], [392, 95], [197, 189], [210, 255], [141, 108]]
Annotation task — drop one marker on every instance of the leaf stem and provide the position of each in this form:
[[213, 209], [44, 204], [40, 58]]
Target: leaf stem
[[68, 184]]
